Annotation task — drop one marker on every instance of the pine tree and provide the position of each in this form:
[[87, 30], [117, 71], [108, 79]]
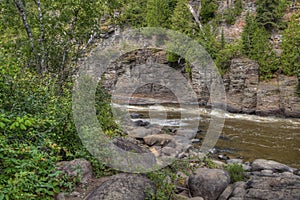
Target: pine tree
[[158, 13], [270, 12], [182, 20], [290, 58], [208, 10], [248, 33]]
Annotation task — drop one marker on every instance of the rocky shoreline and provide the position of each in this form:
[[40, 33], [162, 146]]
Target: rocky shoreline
[[264, 179], [204, 178]]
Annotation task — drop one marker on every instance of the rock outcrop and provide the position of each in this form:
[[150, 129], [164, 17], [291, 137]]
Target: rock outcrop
[[245, 92]]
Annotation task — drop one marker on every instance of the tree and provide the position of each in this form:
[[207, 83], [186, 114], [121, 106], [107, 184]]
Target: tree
[[290, 58], [208, 10], [182, 19], [158, 12], [248, 33], [256, 45], [270, 12]]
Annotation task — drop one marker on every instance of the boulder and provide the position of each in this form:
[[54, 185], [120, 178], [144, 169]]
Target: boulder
[[124, 187], [208, 183], [78, 168], [141, 132], [262, 164], [279, 187], [158, 139]]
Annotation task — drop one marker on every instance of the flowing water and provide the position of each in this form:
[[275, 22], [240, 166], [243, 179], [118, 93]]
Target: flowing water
[[245, 136]]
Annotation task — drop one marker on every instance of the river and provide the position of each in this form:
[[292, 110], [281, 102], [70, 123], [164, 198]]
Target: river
[[243, 136]]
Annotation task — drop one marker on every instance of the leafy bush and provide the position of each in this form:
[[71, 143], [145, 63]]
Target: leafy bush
[[236, 172], [28, 172]]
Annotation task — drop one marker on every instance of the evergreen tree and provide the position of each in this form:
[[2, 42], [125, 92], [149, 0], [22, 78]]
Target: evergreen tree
[[256, 45], [182, 20], [290, 58], [158, 12], [248, 33], [208, 10], [270, 12]]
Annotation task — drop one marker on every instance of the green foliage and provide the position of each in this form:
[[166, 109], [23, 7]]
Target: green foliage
[[208, 39], [158, 13], [133, 13], [172, 57], [182, 19], [229, 16], [208, 10], [27, 172], [236, 172], [238, 7], [231, 13], [256, 45], [290, 58], [163, 180], [226, 54], [270, 13]]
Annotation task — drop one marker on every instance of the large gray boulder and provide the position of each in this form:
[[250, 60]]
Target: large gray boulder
[[262, 164], [124, 187], [278, 186], [208, 183]]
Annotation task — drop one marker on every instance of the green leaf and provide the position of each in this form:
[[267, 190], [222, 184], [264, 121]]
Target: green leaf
[[2, 125], [22, 127]]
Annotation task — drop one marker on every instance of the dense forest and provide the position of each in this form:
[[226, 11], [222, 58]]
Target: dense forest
[[41, 43]]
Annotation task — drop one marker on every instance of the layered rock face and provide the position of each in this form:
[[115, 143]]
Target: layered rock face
[[245, 92]]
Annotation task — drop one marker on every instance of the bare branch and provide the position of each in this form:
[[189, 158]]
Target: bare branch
[[42, 34], [196, 17], [20, 6]]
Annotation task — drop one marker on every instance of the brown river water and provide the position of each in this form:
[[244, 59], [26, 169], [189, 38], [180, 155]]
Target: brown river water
[[243, 136]]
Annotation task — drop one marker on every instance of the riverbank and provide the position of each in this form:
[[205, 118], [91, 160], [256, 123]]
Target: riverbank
[[191, 175], [202, 180]]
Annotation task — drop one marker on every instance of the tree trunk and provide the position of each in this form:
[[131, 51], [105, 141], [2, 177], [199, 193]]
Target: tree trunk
[[196, 16]]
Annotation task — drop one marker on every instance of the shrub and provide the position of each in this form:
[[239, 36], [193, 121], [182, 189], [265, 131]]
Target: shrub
[[236, 172]]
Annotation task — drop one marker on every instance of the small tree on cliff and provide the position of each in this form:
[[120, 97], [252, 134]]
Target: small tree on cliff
[[158, 13], [290, 58], [182, 19], [270, 12]]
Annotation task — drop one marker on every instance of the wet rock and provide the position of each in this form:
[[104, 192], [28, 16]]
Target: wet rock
[[123, 187], [208, 183], [141, 123], [195, 140], [223, 157], [128, 144], [158, 139], [277, 187], [78, 168], [262, 164], [135, 115]]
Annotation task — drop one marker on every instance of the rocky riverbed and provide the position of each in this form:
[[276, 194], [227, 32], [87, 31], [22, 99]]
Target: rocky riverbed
[[261, 179]]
